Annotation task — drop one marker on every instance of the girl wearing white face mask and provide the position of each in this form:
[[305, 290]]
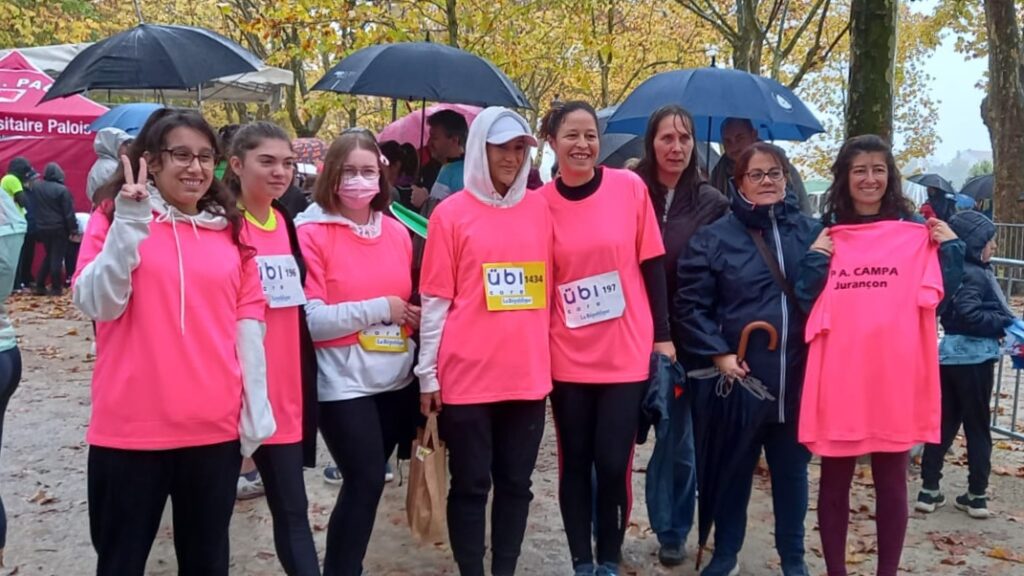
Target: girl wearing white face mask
[[358, 283]]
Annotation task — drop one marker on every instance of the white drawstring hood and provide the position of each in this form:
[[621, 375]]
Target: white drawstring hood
[[168, 213], [314, 214], [477, 176]]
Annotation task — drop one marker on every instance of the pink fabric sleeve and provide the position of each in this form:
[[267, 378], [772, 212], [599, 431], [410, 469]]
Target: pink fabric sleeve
[[252, 304], [92, 241], [316, 277], [649, 242], [438, 273], [931, 291]]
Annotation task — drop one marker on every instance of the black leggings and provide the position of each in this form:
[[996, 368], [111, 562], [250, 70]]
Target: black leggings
[[596, 426], [280, 467], [10, 376], [488, 443], [359, 434], [128, 490]]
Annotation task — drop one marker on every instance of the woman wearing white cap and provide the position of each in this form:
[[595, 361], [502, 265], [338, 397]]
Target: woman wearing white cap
[[486, 274]]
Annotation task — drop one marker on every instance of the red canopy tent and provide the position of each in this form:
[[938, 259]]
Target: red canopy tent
[[57, 131]]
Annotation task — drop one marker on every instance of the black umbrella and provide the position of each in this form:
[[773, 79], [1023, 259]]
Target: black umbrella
[[979, 187], [423, 71], [154, 56], [724, 426], [930, 180]]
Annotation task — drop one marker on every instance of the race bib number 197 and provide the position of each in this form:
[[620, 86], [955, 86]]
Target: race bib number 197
[[515, 286], [593, 299]]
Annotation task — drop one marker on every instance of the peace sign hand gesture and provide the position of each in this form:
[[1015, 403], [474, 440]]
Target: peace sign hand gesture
[[134, 189]]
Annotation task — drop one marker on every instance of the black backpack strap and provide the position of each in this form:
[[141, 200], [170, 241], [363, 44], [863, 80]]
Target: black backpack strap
[[773, 265]]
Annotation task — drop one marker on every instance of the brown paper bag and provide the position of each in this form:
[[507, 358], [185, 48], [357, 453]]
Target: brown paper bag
[[426, 500]]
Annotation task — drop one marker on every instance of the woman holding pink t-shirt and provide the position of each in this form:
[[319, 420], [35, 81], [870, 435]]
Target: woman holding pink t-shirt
[[179, 390], [358, 285], [610, 312], [486, 273], [262, 165], [866, 190]]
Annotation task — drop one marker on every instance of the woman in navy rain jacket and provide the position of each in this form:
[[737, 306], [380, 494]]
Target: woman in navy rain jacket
[[724, 284]]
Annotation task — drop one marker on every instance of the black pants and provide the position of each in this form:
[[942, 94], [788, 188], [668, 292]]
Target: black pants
[[966, 393], [128, 490], [280, 467], [56, 244], [71, 261], [490, 443], [25, 261], [10, 376], [359, 434], [596, 426]]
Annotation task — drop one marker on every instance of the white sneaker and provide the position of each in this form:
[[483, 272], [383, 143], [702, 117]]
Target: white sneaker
[[250, 486]]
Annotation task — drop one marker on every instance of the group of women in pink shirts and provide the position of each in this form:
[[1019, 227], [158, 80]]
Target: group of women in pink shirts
[[211, 305]]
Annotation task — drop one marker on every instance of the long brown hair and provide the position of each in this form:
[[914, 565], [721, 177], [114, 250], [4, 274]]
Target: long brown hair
[[648, 167], [327, 183], [150, 142], [838, 201]]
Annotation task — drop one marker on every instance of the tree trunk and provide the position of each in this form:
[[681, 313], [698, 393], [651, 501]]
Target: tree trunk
[[1003, 108], [453, 23], [869, 102]]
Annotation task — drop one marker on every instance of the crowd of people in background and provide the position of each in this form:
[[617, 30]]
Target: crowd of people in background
[[287, 306]]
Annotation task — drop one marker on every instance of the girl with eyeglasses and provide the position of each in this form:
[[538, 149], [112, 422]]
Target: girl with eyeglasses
[[179, 388], [358, 285], [261, 166], [727, 281]]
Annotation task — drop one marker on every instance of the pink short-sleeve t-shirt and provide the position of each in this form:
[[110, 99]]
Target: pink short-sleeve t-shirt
[[157, 386], [491, 355], [872, 378], [284, 369], [599, 243]]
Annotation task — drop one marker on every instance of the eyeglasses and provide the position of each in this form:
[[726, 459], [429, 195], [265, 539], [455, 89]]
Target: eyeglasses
[[183, 156], [758, 175], [349, 173]]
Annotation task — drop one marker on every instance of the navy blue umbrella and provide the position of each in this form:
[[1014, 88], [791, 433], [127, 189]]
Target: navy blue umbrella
[[713, 94], [154, 56], [979, 187], [127, 117], [617, 149], [423, 71], [930, 180]]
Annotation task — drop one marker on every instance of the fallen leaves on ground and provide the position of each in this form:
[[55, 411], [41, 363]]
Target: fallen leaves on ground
[[1004, 554], [42, 497]]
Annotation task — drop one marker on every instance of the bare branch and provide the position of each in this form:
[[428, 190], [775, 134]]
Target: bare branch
[[810, 61], [713, 18]]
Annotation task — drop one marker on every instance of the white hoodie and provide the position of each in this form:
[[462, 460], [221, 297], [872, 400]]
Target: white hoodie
[[478, 183], [347, 372]]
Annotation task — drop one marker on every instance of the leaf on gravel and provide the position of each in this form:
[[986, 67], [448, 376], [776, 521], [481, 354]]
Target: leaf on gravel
[[954, 561], [42, 497], [1004, 554]]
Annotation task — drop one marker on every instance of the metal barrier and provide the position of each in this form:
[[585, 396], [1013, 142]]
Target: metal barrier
[[1010, 238], [1006, 396]]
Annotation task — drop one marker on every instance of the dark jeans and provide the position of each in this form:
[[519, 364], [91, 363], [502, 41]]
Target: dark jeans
[[25, 261], [787, 463], [55, 243], [128, 490], [10, 375], [359, 433], [672, 520], [596, 426], [966, 394], [280, 467], [490, 443], [71, 261]]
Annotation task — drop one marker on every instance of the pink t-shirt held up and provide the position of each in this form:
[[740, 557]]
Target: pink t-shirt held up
[[158, 383], [491, 355], [872, 379], [601, 326]]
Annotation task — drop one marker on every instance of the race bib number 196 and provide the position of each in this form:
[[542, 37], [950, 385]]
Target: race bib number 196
[[282, 284], [593, 299], [515, 286]]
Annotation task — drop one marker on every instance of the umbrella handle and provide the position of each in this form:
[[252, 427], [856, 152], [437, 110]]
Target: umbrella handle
[[773, 337]]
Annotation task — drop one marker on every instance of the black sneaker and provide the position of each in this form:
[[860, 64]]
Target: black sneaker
[[928, 501], [975, 506], [671, 554]]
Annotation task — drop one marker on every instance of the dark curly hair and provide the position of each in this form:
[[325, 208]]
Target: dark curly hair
[[839, 208], [150, 142]]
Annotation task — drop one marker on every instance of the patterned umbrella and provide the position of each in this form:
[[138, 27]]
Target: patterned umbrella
[[309, 150]]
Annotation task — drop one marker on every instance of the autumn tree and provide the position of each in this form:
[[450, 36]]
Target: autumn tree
[[1003, 108], [869, 105]]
